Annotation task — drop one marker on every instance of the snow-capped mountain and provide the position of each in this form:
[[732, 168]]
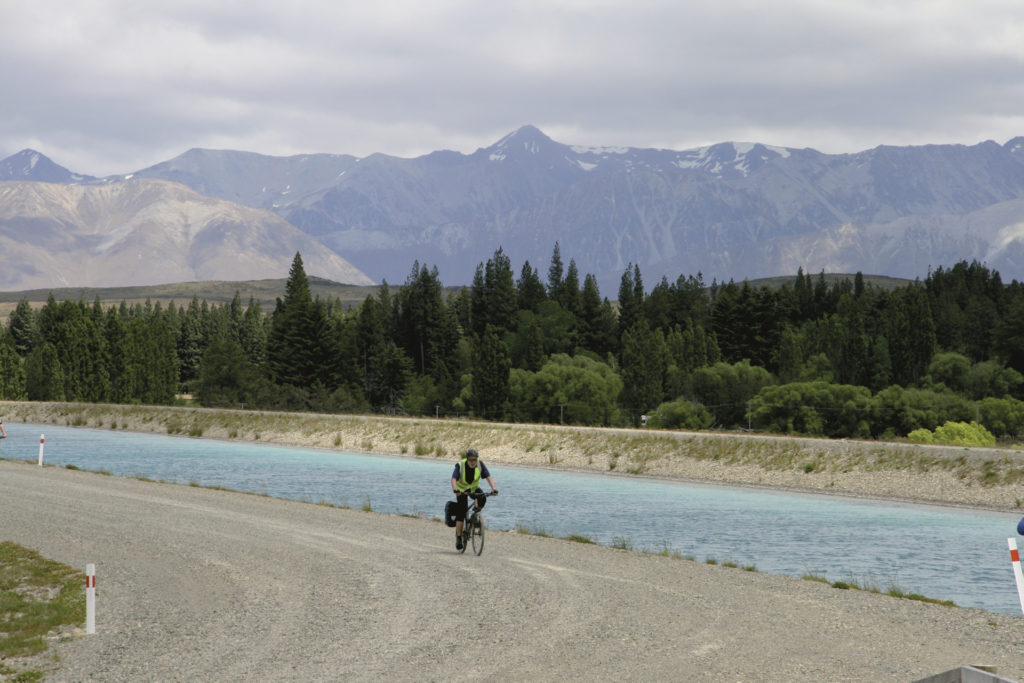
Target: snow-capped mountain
[[30, 165], [729, 211]]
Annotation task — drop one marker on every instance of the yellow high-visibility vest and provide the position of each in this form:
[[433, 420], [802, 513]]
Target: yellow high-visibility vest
[[464, 485]]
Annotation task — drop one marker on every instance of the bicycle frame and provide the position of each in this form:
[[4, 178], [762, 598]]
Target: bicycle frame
[[473, 526]]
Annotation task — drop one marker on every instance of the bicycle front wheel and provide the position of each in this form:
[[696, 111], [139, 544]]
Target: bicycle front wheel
[[478, 536]]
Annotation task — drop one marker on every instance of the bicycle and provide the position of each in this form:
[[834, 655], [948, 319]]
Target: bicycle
[[473, 527]]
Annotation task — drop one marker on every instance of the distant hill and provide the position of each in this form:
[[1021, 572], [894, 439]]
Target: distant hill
[[267, 291], [880, 281], [214, 292], [143, 232]]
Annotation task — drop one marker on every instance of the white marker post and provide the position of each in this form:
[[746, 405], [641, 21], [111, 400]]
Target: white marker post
[[42, 438], [1017, 574], [90, 598]]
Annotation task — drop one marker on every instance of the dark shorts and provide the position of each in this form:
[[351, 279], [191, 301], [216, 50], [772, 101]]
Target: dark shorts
[[462, 503]]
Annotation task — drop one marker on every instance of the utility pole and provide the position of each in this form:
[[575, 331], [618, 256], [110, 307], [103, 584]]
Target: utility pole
[[561, 412]]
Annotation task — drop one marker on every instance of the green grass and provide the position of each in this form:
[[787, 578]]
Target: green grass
[[579, 539], [871, 586], [37, 596]]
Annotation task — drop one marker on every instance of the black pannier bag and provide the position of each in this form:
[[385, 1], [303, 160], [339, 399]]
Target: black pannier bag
[[449, 513]]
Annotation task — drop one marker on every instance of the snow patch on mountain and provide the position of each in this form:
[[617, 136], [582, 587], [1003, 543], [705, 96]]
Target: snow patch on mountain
[[579, 149]]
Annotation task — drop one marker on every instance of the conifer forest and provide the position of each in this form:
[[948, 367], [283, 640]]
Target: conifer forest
[[845, 358]]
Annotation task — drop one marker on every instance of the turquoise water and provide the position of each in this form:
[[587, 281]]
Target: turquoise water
[[940, 552]]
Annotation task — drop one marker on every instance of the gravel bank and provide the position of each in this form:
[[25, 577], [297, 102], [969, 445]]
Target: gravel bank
[[195, 584]]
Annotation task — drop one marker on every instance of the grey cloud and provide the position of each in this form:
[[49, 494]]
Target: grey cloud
[[114, 87]]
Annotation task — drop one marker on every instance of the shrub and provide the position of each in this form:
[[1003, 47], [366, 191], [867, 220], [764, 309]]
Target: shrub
[[955, 433], [1002, 416], [921, 436], [964, 434], [817, 408], [680, 414]]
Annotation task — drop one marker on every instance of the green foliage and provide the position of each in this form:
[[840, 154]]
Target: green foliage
[[991, 379], [490, 382], [950, 370], [816, 408], [12, 371], [226, 377], [746, 323], [493, 295], [952, 343], [573, 390], [643, 369], [296, 343], [901, 411], [921, 435], [680, 414], [1002, 416], [954, 434], [964, 434], [44, 376], [726, 388]]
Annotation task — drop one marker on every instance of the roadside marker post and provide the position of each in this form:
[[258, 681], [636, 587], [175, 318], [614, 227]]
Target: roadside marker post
[[42, 438], [90, 598], [1017, 574]]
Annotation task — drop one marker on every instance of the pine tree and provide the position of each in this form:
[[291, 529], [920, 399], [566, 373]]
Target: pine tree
[[295, 344], [24, 328], [491, 367], [493, 297], [190, 340], [530, 292], [12, 370], [424, 324], [571, 299], [644, 366], [44, 378], [122, 389], [630, 305], [555, 275]]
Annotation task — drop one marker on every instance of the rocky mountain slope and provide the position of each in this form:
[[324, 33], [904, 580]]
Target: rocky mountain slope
[[145, 232], [728, 211]]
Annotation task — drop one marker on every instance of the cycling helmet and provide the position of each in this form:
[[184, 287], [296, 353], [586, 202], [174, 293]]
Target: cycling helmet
[[471, 453]]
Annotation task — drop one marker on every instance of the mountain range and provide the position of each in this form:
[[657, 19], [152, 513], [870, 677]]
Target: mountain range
[[727, 211]]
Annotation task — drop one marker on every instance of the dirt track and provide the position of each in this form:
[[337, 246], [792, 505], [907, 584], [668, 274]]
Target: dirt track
[[195, 584]]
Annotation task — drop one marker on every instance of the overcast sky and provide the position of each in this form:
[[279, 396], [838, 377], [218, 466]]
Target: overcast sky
[[113, 86]]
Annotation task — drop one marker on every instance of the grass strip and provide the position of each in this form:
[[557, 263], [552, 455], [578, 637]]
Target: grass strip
[[37, 597]]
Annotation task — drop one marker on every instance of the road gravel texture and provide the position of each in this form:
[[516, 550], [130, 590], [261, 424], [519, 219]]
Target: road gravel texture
[[202, 585]]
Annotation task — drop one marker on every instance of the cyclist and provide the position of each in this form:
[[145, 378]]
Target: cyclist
[[465, 483]]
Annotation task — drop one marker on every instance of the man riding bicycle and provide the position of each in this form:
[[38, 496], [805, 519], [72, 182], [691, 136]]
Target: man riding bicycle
[[465, 483]]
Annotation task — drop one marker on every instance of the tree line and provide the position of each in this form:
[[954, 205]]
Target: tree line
[[843, 358]]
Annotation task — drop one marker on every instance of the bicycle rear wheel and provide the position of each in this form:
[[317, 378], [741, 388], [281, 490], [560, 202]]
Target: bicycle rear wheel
[[478, 535]]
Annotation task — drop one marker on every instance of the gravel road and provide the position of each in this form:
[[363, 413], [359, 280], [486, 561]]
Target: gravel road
[[195, 584]]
